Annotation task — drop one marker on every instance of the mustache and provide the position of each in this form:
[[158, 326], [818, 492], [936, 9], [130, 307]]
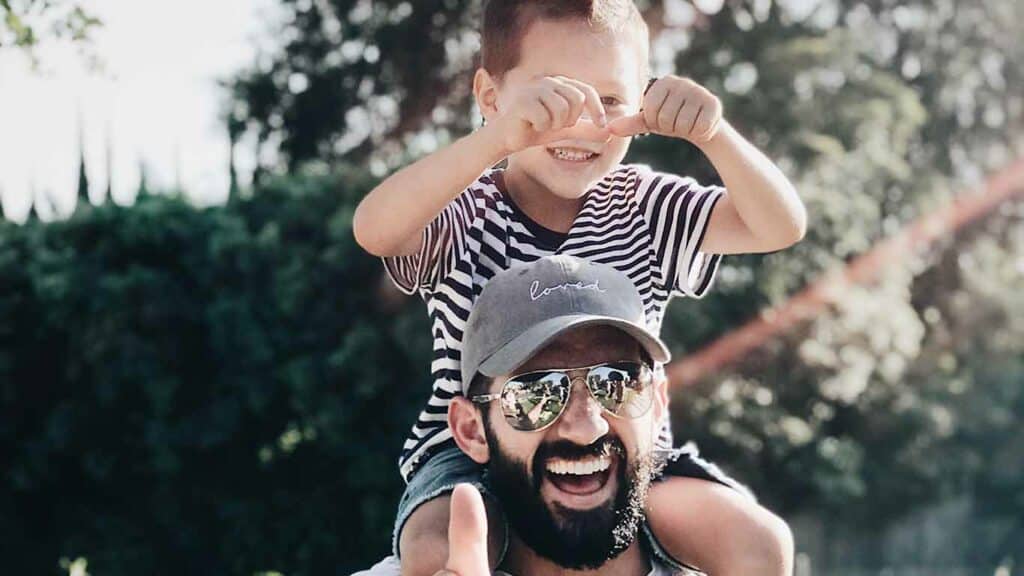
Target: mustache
[[566, 450]]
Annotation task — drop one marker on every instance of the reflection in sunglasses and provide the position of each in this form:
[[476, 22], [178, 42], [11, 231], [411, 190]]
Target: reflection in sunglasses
[[532, 401]]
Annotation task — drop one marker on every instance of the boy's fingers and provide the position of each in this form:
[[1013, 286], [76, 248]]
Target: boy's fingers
[[701, 123], [583, 130], [685, 121], [674, 106], [467, 533], [653, 102], [575, 98], [557, 107], [707, 121], [538, 116], [627, 126], [710, 133], [592, 101]]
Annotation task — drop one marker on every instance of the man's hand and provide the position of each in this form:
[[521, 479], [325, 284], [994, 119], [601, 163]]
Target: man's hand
[[676, 107], [467, 534], [549, 109]]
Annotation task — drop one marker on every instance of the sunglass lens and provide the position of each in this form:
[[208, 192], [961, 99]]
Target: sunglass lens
[[533, 401], [623, 390]]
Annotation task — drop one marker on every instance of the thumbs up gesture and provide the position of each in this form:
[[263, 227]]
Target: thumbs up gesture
[[467, 534]]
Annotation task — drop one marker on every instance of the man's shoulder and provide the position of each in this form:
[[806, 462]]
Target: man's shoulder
[[658, 568], [662, 569]]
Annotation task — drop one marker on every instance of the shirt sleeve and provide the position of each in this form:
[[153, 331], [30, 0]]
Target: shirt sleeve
[[442, 243], [678, 210]]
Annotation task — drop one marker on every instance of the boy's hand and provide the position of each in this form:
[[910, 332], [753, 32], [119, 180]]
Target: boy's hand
[[676, 107], [550, 109], [467, 534]]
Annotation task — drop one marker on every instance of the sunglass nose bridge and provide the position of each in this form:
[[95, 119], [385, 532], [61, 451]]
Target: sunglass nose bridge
[[582, 419], [535, 400]]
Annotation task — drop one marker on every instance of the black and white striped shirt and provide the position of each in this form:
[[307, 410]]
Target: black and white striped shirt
[[647, 224]]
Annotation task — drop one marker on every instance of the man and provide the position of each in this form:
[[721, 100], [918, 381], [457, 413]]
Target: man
[[563, 409]]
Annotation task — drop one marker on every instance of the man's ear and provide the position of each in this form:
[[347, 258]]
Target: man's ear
[[660, 395], [467, 428], [485, 90]]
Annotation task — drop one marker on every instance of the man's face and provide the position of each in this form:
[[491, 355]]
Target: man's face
[[614, 64], [575, 492]]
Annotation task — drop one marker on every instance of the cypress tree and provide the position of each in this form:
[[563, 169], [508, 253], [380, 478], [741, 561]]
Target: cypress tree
[[83, 177], [143, 184], [109, 193]]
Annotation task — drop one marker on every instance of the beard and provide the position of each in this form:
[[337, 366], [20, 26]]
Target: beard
[[573, 539]]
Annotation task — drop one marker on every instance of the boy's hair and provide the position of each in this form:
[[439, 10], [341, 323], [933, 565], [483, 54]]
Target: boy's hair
[[507, 21]]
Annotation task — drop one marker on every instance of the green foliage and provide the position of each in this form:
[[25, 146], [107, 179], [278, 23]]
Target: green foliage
[[905, 393], [355, 76], [202, 391], [227, 389], [861, 417], [25, 24]]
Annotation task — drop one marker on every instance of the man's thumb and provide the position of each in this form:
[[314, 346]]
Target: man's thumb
[[467, 533]]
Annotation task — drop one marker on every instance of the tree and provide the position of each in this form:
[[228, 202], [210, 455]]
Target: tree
[[27, 23], [82, 197], [179, 388], [187, 364], [356, 76], [880, 112]]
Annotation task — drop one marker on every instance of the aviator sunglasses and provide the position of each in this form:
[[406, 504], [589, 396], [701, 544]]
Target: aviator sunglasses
[[533, 401]]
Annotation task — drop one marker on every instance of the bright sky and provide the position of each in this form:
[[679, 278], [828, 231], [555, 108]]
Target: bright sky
[[156, 100]]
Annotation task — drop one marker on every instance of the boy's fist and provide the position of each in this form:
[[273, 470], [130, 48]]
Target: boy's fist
[[550, 109], [677, 107], [467, 534]]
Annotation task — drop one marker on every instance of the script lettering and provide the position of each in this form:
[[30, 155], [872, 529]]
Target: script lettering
[[536, 293]]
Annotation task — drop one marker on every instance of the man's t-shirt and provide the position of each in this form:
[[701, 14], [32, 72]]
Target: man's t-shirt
[[657, 569], [391, 566], [646, 224]]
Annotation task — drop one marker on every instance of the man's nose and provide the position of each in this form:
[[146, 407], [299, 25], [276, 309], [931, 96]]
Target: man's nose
[[583, 422]]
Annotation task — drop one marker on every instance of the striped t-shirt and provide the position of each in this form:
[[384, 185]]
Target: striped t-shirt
[[649, 225]]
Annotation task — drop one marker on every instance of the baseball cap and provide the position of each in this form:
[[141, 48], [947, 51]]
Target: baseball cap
[[522, 309]]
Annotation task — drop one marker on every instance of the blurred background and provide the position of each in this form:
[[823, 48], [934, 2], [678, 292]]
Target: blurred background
[[201, 373]]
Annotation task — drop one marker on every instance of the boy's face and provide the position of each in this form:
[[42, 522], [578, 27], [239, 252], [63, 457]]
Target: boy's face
[[614, 64]]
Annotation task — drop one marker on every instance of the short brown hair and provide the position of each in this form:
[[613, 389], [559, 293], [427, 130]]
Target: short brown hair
[[506, 23]]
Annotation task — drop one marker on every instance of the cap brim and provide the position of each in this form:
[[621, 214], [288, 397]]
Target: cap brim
[[523, 347]]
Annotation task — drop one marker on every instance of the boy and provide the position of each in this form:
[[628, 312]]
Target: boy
[[562, 89]]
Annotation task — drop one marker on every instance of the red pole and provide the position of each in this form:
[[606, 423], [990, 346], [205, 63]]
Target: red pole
[[812, 300]]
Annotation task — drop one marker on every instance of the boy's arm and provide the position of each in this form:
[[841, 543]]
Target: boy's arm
[[761, 212], [390, 219]]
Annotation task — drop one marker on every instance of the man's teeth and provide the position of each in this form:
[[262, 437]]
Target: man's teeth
[[572, 154], [579, 467]]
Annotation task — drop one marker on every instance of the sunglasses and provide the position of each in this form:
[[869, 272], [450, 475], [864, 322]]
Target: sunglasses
[[533, 401]]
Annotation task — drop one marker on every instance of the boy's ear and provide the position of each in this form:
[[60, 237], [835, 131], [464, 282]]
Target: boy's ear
[[468, 429], [485, 90]]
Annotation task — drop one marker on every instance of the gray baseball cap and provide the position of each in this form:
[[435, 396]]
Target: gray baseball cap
[[522, 309]]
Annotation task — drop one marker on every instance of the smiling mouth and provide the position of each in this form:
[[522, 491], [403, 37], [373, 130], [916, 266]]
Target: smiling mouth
[[576, 155], [579, 479]]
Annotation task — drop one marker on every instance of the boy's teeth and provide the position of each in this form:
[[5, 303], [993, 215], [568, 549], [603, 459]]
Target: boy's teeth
[[578, 467], [567, 154]]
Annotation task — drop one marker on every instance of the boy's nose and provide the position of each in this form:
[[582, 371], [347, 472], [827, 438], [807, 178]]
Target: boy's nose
[[583, 422]]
